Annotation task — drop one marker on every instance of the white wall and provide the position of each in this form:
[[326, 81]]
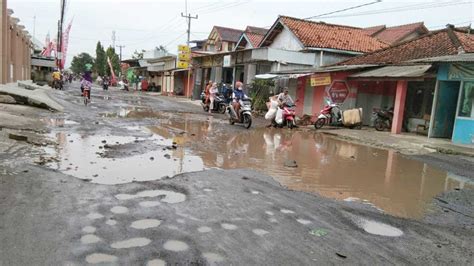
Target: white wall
[[286, 40]]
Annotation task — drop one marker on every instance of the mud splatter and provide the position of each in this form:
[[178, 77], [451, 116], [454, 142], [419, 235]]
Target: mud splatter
[[119, 210], [175, 245], [156, 262], [131, 243], [95, 216], [204, 229], [97, 258], [212, 258], [260, 232], [89, 229], [89, 239], [145, 224], [229, 226]]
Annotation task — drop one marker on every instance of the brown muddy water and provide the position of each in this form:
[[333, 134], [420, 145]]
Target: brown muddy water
[[332, 168]]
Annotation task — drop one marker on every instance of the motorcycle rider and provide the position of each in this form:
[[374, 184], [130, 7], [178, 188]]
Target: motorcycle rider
[[56, 78], [237, 96], [284, 98]]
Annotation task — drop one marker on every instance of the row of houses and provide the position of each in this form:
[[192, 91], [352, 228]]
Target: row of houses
[[425, 76]]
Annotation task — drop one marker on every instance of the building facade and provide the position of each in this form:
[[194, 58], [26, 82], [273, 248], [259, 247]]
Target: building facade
[[15, 48]]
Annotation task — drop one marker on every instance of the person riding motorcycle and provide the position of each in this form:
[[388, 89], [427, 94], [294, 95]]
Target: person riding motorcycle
[[237, 96], [56, 78], [284, 98]]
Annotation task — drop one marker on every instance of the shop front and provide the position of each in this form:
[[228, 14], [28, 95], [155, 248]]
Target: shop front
[[454, 105]]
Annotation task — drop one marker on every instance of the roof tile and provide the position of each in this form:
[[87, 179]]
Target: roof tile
[[321, 35], [434, 44], [228, 34]]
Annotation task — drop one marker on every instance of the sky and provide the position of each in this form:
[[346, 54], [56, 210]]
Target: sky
[[145, 24]]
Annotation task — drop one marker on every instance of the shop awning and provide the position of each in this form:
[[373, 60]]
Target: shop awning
[[414, 71], [266, 76]]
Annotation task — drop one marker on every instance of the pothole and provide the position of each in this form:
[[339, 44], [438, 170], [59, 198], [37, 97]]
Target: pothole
[[378, 228]]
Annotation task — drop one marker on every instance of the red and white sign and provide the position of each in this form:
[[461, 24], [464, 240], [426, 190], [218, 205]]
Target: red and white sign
[[338, 91]]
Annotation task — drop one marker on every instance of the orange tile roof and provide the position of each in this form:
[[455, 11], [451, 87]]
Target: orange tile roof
[[322, 35], [254, 38], [437, 43], [395, 34], [374, 30]]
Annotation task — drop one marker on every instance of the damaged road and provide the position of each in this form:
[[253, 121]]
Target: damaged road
[[136, 179]]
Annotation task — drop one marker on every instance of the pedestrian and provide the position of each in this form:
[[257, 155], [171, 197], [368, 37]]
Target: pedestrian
[[206, 91], [212, 95]]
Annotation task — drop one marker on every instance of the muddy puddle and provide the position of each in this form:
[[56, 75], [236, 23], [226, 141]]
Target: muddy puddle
[[81, 156], [332, 168]]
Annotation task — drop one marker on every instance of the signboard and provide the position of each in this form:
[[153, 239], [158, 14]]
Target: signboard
[[226, 62], [184, 48], [320, 80], [184, 56], [182, 64], [338, 91]]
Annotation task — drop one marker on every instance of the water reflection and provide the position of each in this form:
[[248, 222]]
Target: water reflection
[[332, 168]]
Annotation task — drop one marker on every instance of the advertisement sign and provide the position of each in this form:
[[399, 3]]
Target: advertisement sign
[[184, 56], [338, 91], [320, 80], [182, 64]]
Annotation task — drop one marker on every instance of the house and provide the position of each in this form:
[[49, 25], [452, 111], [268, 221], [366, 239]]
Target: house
[[289, 44], [397, 34], [330, 42], [427, 80], [251, 38], [222, 39]]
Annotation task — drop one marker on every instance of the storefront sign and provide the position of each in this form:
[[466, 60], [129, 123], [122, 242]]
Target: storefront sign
[[320, 80], [226, 61], [338, 91], [184, 56]]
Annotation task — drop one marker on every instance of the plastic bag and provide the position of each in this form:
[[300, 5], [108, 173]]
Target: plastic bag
[[279, 116], [270, 115]]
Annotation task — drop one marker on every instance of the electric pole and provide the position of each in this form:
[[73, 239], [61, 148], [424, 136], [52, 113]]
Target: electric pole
[[59, 54], [113, 38], [188, 18], [120, 47]]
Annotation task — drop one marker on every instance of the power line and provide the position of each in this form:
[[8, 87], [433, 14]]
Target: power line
[[345, 9], [400, 9], [238, 3]]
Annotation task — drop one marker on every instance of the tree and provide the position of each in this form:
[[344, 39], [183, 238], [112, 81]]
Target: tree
[[78, 64], [114, 59], [100, 60], [138, 55], [161, 48]]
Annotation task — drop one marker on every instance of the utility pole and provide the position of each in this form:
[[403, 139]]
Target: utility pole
[[59, 54], [120, 47], [113, 38], [188, 17], [34, 26]]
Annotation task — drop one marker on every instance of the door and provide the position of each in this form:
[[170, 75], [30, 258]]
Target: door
[[445, 110]]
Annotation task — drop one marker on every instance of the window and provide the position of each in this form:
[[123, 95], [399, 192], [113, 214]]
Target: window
[[466, 108]]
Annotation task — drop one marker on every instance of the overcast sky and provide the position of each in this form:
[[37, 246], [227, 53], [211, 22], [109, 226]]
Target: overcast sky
[[144, 24]]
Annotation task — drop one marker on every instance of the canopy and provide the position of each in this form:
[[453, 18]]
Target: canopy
[[414, 71]]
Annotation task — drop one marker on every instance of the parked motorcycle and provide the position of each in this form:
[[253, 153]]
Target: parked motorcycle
[[287, 118], [245, 113], [330, 115], [58, 84], [220, 104], [382, 118]]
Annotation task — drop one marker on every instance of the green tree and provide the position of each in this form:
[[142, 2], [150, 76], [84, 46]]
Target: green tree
[[114, 59], [78, 63], [100, 60], [138, 55]]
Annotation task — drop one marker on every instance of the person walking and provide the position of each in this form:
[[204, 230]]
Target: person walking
[[212, 95]]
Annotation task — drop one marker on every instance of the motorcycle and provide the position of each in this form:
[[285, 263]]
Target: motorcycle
[[58, 84], [105, 85], [330, 115], [245, 113], [382, 118], [287, 117], [220, 104]]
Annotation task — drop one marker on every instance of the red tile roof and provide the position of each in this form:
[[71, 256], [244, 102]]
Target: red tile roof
[[255, 35], [228, 34], [322, 35], [437, 43], [393, 35], [374, 30]]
